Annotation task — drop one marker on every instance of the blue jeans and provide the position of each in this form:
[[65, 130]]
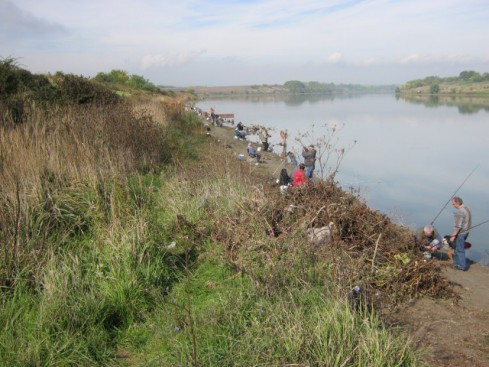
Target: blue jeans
[[459, 253], [309, 171]]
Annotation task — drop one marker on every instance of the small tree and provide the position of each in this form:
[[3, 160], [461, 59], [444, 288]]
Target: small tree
[[327, 148], [118, 76], [435, 89], [471, 75], [295, 86]]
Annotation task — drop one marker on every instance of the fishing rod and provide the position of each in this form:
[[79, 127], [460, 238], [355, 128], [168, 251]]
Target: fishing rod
[[444, 206], [477, 225], [467, 245]]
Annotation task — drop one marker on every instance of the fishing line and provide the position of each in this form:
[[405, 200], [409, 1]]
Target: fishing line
[[444, 206], [477, 225]]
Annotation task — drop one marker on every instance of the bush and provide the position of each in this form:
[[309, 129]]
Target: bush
[[79, 90]]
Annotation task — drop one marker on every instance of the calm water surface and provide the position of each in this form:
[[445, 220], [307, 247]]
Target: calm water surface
[[409, 157]]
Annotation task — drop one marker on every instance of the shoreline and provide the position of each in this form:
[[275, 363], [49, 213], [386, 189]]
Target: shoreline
[[426, 320]]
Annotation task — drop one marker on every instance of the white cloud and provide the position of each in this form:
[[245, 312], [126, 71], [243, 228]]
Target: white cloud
[[283, 38], [416, 58], [334, 58], [370, 61], [150, 61]]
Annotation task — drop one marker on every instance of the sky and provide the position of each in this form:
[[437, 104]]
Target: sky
[[244, 42]]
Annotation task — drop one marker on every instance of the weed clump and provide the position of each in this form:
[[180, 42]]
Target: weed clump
[[267, 237]]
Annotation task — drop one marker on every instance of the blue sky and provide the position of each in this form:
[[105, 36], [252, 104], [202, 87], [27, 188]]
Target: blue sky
[[236, 42]]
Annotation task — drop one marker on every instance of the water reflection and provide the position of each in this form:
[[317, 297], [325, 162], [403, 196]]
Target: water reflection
[[287, 99], [465, 105]]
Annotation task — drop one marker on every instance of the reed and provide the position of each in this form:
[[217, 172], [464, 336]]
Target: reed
[[58, 154]]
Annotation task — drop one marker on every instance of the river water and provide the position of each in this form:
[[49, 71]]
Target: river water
[[407, 158]]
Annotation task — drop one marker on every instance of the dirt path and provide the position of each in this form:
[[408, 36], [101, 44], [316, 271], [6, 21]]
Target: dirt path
[[451, 332], [454, 333]]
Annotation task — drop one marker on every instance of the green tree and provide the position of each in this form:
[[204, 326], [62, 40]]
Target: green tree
[[435, 89], [315, 86], [295, 86], [118, 76], [80, 90], [102, 78], [430, 80], [137, 81], [471, 75], [9, 77]]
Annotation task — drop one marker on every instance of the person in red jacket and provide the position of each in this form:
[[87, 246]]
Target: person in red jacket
[[299, 176]]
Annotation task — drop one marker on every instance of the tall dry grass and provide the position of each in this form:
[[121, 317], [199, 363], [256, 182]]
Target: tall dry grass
[[154, 107], [65, 149]]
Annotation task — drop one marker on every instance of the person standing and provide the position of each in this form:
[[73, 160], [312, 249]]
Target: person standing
[[263, 134], [463, 221], [283, 143], [309, 154]]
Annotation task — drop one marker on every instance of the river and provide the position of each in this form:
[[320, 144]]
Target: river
[[405, 157]]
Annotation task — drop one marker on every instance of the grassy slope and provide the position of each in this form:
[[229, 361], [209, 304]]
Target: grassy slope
[[90, 275]]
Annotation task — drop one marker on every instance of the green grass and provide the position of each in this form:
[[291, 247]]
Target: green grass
[[116, 295], [233, 326]]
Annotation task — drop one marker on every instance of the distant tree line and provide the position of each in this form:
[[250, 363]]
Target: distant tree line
[[433, 82], [296, 86]]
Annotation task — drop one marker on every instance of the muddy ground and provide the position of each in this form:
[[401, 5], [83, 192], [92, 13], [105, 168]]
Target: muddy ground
[[451, 332]]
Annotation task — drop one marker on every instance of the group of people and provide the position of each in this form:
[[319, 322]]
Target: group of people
[[430, 241], [298, 178], [427, 238], [303, 172]]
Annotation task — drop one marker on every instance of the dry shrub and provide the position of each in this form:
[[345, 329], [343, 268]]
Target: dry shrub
[[153, 107], [173, 109], [265, 237]]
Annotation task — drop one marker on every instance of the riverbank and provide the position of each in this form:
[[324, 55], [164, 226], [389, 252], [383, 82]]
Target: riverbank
[[291, 88], [453, 331]]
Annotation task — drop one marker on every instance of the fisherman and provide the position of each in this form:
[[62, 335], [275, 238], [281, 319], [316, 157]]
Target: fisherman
[[263, 134], [293, 161], [299, 176], [463, 221], [252, 153], [283, 143], [428, 238], [239, 134], [309, 154], [429, 241]]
